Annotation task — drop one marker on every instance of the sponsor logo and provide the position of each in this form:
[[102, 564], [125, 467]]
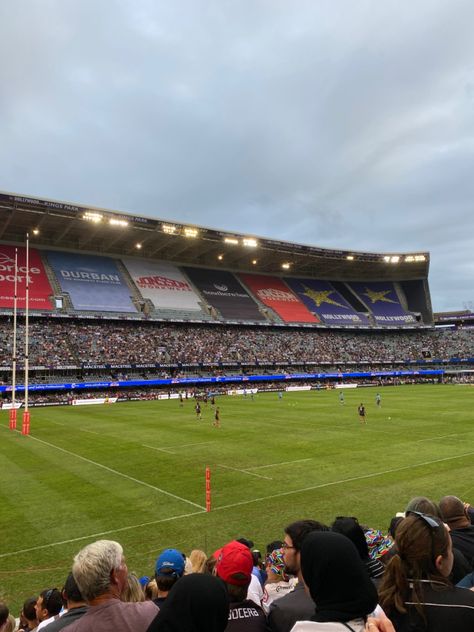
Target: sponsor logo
[[89, 276], [162, 283], [7, 270], [272, 294], [221, 288]]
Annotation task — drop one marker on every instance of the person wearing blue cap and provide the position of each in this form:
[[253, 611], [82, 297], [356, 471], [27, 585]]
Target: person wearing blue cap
[[169, 568]]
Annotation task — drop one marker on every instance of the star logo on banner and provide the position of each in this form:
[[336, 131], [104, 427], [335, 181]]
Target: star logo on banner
[[321, 297], [378, 296]]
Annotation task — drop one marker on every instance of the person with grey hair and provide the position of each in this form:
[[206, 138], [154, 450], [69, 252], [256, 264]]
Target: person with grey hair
[[101, 574]]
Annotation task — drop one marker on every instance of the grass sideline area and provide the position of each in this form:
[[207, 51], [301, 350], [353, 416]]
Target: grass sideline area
[[135, 472]]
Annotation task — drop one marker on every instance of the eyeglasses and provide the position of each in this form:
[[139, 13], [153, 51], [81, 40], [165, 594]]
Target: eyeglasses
[[285, 546], [431, 522]]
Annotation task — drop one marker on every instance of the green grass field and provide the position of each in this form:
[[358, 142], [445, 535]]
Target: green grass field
[[135, 472]]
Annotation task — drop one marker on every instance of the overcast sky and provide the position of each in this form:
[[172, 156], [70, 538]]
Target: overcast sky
[[339, 123]]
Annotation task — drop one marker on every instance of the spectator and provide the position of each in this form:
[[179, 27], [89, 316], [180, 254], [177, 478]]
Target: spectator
[[416, 592], [48, 606], [338, 583], [297, 605], [197, 603], [234, 566], [169, 568], [76, 606], [456, 516], [101, 574]]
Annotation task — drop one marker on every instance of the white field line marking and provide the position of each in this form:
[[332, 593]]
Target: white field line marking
[[260, 467], [234, 469], [455, 434], [152, 447], [344, 480], [109, 469], [94, 536], [168, 448], [85, 430]]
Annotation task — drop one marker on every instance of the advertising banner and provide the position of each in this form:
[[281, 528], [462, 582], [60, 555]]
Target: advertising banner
[[93, 283], [163, 283], [39, 287], [331, 307], [272, 292], [382, 300], [222, 290]]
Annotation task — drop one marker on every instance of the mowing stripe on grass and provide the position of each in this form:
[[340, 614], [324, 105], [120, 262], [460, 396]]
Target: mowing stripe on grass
[[235, 469], [94, 536], [340, 482], [244, 502], [109, 469]]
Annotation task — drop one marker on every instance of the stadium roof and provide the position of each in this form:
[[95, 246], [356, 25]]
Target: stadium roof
[[64, 225]]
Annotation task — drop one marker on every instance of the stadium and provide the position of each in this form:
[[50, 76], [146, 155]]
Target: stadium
[[131, 320]]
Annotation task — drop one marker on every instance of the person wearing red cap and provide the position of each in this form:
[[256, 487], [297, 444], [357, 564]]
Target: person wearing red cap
[[234, 566]]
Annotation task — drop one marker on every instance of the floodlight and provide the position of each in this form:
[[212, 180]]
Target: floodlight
[[35, 231], [350, 257], [285, 266], [386, 259], [254, 262], [118, 222], [169, 229], [220, 257], [138, 246], [190, 232], [93, 217], [231, 240], [394, 259], [420, 258], [250, 242], [409, 258]]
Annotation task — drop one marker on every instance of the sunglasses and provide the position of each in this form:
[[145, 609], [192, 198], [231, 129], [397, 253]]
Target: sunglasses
[[429, 520]]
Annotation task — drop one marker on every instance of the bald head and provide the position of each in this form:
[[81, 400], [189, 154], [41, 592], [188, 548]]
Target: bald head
[[453, 511]]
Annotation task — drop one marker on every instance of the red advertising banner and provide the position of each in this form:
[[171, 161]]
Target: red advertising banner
[[273, 293], [40, 289]]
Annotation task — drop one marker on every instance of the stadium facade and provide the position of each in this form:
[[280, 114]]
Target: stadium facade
[[92, 270]]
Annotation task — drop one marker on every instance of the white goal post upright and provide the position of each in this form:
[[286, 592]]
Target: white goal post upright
[[25, 429], [15, 305]]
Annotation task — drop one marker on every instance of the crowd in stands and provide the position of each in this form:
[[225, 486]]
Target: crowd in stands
[[58, 343], [317, 578]]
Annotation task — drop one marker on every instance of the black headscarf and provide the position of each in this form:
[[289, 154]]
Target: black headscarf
[[336, 577], [196, 603]]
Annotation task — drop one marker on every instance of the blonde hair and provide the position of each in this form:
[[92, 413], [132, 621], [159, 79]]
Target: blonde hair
[[198, 561], [133, 592]]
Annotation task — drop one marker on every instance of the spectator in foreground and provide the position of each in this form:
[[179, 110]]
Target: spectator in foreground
[[234, 566], [415, 592], [101, 574], [48, 606], [28, 620], [197, 603], [76, 606], [278, 583], [297, 605], [169, 568], [350, 527], [455, 514], [338, 582]]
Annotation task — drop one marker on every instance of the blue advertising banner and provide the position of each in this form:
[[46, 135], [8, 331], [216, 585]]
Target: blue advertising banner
[[223, 291], [93, 283], [221, 380], [329, 305]]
